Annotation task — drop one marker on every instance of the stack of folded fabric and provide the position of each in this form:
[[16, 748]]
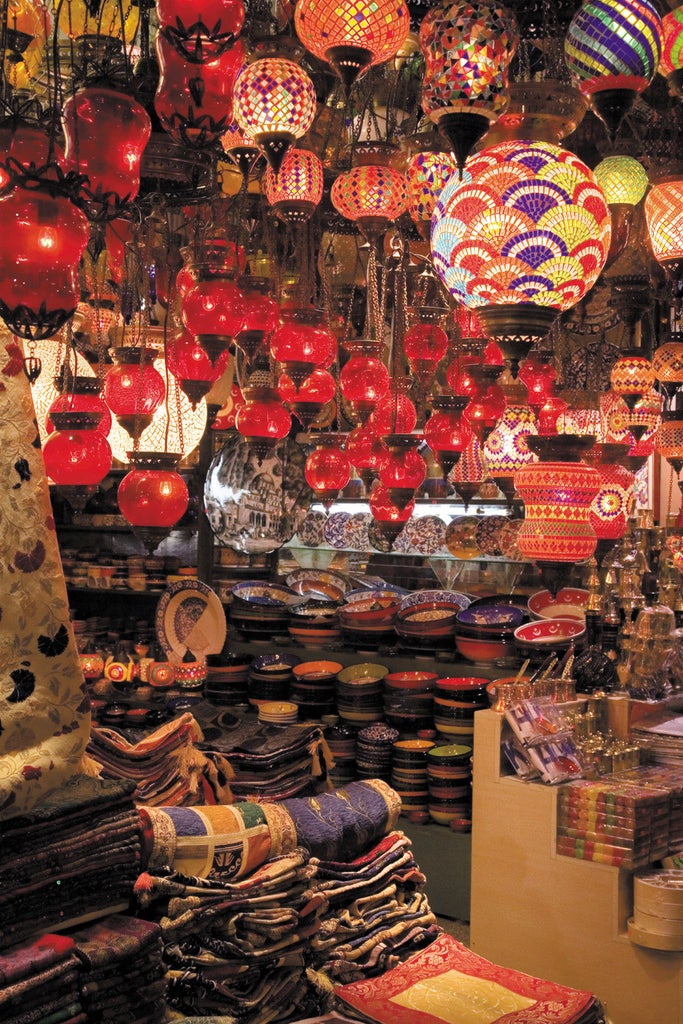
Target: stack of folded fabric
[[377, 911], [236, 949], [39, 982], [123, 977], [166, 766], [77, 853]]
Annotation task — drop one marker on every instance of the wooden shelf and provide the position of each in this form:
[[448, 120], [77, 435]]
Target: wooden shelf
[[553, 916]]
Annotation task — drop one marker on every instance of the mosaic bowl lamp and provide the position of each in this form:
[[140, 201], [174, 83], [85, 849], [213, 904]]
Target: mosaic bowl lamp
[[671, 61], [152, 496], [558, 491], [506, 449], [275, 104], [296, 190], [240, 149], [352, 37], [468, 473], [667, 363], [664, 217], [624, 181], [631, 377], [403, 469], [467, 48], [523, 241], [328, 467], [612, 50], [427, 173]]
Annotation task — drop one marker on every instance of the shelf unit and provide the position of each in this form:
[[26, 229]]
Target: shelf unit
[[550, 915]]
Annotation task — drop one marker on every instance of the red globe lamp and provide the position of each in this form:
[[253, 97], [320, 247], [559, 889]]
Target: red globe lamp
[[395, 412], [550, 412], [133, 388], [297, 188], [364, 379], [425, 344], [302, 342], [200, 33], [308, 401], [671, 61], [328, 468], [152, 496], [366, 451], [77, 455], [188, 361], [260, 314], [389, 517], [213, 311], [262, 420], [81, 395], [487, 402], [403, 469], [447, 432]]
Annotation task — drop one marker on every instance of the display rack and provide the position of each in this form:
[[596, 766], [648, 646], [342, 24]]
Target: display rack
[[550, 915]]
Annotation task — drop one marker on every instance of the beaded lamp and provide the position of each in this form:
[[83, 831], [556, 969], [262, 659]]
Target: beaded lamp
[[467, 48], [352, 36], [612, 49], [297, 188], [671, 62], [275, 104], [523, 240]]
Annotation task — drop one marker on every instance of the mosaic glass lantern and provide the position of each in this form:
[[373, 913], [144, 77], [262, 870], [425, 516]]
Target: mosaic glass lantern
[[403, 469], [467, 47], [612, 506], [664, 217], [523, 240], [669, 441], [372, 196], [364, 379], [631, 376], [468, 472], [351, 37], [297, 188], [447, 432], [152, 496], [240, 149], [386, 513], [200, 32], [275, 104], [612, 50], [428, 174], [624, 181], [506, 451], [328, 467], [671, 61], [667, 363]]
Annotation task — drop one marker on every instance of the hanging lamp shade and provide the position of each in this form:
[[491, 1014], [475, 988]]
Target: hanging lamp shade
[[487, 404], [364, 379], [447, 432], [372, 196], [262, 420], [403, 469], [467, 47], [152, 496], [671, 61], [302, 342], [550, 413], [631, 376], [425, 344], [297, 188], [328, 467], [106, 132], [506, 450], [258, 312], [612, 50], [427, 173], [389, 517], [664, 217], [212, 310], [133, 388], [538, 376], [80, 394], [669, 440], [624, 181], [309, 400], [275, 104], [366, 451], [395, 412], [240, 149], [77, 455], [200, 32], [187, 360], [525, 239], [351, 37]]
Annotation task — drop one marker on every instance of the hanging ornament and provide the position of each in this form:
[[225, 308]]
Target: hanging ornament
[[447, 432], [297, 188], [487, 402], [403, 469], [153, 496], [425, 343], [467, 47], [631, 376], [428, 172], [275, 104], [395, 412], [372, 196], [612, 50], [366, 451], [200, 33], [80, 394], [259, 315], [664, 217], [188, 360], [612, 506], [133, 388], [240, 149], [352, 37], [328, 468], [389, 517], [212, 308], [538, 376], [77, 456], [468, 473]]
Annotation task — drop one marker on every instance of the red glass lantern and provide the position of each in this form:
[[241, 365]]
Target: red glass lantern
[[308, 401], [425, 344], [302, 342], [328, 468], [539, 377], [297, 188], [275, 104], [44, 237], [262, 420], [260, 314], [388, 516], [77, 454], [395, 412], [81, 395], [447, 432], [367, 451], [200, 33], [364, 378], [133, 388], [213, 311], [487, 404], [153, 497], [550, 412], [372, 196], [403, 469], [106, 132], [194, 101], [187, 360]]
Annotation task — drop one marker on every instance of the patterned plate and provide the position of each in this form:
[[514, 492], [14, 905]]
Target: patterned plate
[[460, 537], [507, 540], [487, 534], [190, 618], [333, 532], [425, 534], [356, 531], [377, 539], [311, 532], [443, 596]]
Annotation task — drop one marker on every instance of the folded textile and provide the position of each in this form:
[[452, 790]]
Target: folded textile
[[447, 982], [34, 957]]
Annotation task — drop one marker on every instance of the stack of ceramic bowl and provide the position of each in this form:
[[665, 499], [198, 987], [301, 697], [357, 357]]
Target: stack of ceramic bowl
[[315, 624], [409, 700], [227, 678], [359, 690], [367, 618], [485, 633], [278, 712], [341, 739], [409, 776], [540, 639], [456, 700], [374, 748], [449, 773], [313, 687], [270, 677], [260, 610], [426, 620]]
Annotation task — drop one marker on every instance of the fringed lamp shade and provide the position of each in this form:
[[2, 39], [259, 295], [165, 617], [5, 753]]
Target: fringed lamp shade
[[531, 228], [370, 194], [664, 216], [275, 104], [623, 179], [297, 188], [427, 174], [352, 36], [671, 60]]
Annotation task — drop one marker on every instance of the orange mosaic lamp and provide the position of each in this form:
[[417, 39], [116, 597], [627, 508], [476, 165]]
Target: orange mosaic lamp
[[372, 196], [664, 217], [297, 188]]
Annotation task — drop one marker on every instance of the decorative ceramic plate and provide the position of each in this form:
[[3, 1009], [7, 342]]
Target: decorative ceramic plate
[[274, 663], [487, 534], [425, 535], [568, 603], [507, 540], [460, 537], [442, 596], [377, 539], [549, 631], [376, 594], [190, 618], [312, 529], [503, 615], [333, 531], [356, 531]]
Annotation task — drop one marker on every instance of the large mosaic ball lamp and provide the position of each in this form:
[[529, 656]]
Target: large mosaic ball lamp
[[612, 50], [664, 217], [524, 240]]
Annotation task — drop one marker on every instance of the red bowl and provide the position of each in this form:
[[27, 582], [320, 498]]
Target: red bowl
[[481, 651]]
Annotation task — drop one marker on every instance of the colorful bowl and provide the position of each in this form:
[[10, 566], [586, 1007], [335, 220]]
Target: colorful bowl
[[568, 603]]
